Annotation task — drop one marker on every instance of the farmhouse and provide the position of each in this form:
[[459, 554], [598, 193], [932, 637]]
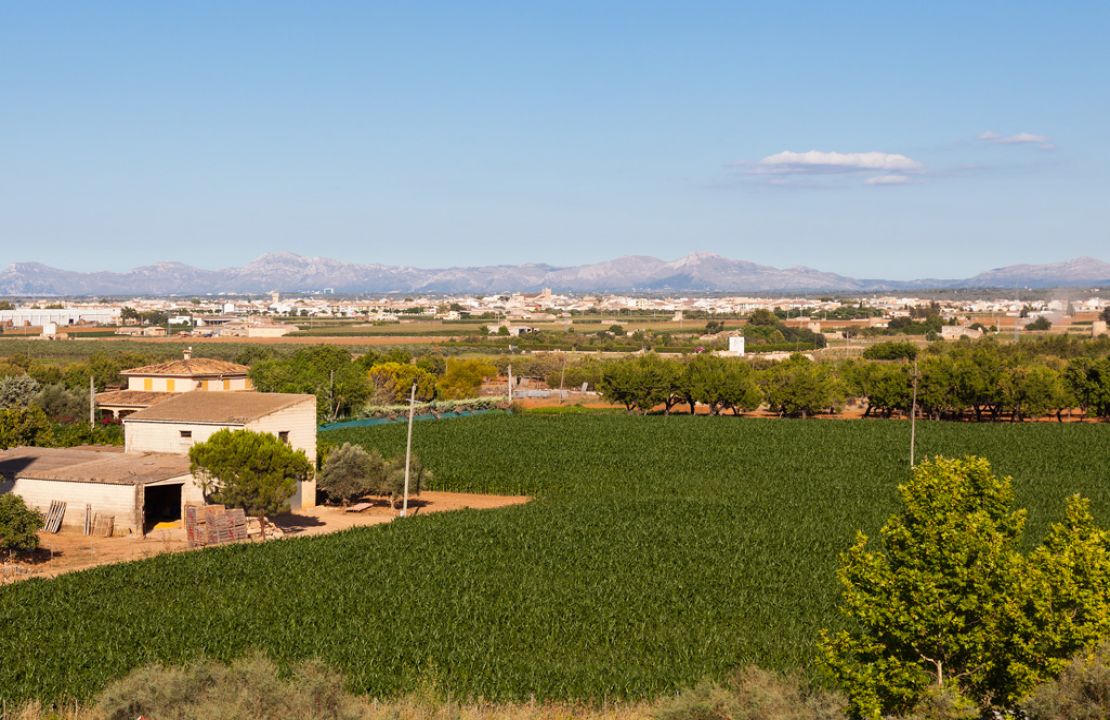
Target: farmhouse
[[175, 424], [149, 385], [149, 481]]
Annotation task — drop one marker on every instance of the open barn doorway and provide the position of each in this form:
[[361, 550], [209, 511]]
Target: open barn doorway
[[161, 503]]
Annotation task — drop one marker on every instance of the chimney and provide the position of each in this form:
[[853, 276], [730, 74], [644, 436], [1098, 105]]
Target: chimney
[[189, 353]]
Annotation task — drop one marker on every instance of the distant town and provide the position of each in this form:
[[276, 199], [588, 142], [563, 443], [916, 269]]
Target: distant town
[[275, 315]]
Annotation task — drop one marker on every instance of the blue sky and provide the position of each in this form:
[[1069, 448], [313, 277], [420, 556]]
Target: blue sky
[[876, 139]]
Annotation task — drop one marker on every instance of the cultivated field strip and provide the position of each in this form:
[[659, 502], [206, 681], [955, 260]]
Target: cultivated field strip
[[658, 551]]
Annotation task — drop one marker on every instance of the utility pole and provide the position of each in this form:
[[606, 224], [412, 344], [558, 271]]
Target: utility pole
[[510, 382], [92, 402], [562, 376], [913, 415], [408, 451]]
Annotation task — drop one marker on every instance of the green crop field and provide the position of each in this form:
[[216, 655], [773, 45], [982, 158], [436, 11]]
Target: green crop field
[[658, 551]]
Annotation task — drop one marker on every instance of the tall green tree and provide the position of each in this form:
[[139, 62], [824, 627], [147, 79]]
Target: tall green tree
[[25, 426], [799, 387], [463, 378], [948, 602], [393, 382], [721, 383], [329, 372], [249, 470]]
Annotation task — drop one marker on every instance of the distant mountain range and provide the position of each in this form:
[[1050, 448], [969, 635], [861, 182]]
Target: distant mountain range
[[697, 272]]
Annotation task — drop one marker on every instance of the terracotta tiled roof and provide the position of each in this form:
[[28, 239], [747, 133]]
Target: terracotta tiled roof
[[91, 466], [131, 398], [218, 408], [193, 367]]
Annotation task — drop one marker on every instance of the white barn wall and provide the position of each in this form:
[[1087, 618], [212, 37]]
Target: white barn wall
[[119, 501]]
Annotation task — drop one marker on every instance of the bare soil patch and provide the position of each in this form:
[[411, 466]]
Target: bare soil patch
[[71, 550]]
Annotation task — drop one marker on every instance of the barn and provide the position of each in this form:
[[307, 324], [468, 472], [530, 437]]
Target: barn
[[136, 490]]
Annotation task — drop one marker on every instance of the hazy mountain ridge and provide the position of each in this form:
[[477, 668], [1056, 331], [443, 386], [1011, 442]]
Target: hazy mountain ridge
[[696, 272]]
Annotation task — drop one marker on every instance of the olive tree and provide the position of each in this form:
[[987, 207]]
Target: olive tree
[[350, 472]]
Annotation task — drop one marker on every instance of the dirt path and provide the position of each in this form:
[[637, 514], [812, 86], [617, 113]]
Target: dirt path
[[71, 550]]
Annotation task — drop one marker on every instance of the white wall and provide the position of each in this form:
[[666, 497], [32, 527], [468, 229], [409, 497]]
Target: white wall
[[116, 500], [299, 421], [166, 437]]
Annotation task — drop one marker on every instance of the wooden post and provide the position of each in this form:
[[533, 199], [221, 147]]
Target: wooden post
[[408, 451], [510, 382]]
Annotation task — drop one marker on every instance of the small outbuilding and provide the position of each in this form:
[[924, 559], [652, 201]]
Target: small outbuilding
[[136, 490]]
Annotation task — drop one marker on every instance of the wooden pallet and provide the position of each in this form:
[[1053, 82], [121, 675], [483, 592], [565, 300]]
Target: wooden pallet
[[54, 516], [103, 525]]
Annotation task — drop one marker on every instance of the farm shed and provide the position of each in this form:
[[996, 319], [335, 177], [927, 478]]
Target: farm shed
[[175, 424], [137, 490]]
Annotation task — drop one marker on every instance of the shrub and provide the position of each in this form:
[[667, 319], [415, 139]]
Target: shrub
[[1082, 692], [250, 687], [755, 694], [25, 426], [19, 524], [18, 391], [350, 472]]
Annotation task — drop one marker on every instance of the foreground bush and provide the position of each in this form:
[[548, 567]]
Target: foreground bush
[[755, 694], [254, 687], [248, 688], [1082, 692]]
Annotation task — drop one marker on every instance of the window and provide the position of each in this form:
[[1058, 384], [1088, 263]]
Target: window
[[148, 384], [227, 384], [186, 434], [284, 436], [170, 385]]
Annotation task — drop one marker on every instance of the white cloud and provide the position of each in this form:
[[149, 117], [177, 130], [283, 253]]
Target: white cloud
[[1023, 138], [890, 179], [817, 161]]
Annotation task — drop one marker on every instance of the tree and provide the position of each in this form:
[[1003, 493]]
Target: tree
[[350, 472], [25, 426], [640, 383], [1088, 380], [1041, 323], [720, 383], [948, 602], [329, 372], [19, 524], [800, 387], [393, 481], [17, 392], [1031, 390], [393, 382], [62, 404], [463, 378], [249, 470], [888, 387]]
